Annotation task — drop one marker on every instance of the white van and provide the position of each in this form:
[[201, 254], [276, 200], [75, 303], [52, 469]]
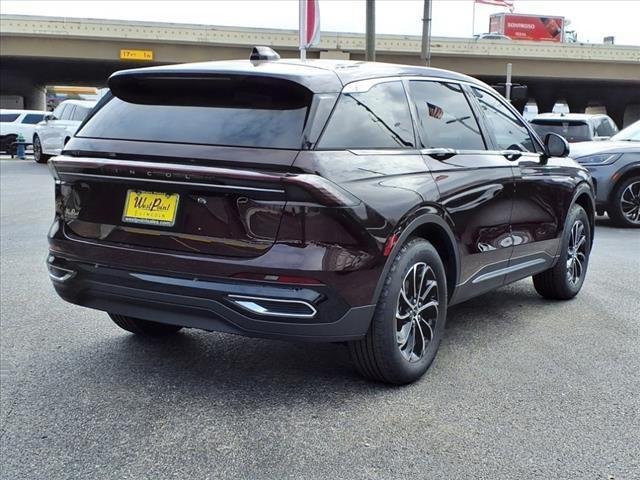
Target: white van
[[58, 127]]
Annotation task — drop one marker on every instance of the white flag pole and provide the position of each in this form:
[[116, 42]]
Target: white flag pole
[[302, 28]]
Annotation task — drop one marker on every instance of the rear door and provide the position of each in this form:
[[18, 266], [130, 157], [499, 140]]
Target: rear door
[[174, 170], [475, 183], [538, 204]]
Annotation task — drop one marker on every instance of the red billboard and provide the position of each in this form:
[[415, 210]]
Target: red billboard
[[528, 27]]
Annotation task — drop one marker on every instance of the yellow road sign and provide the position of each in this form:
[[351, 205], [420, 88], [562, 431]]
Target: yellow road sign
[[146, 55]]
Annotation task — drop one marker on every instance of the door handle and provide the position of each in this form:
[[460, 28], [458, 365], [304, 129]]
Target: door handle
[[511, 155], [440, 153]]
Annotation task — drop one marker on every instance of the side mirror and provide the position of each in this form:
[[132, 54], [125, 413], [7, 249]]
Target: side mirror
[[49, 116], [555, 146]]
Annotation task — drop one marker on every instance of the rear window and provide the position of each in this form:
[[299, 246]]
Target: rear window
[[8, 117], [255, 112], [572, 131]]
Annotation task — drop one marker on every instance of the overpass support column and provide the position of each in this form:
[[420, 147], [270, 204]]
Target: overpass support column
[[545, 101], [615, 109], [577, 104], [34, 98]]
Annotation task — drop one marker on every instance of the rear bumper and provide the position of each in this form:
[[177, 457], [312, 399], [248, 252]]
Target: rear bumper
[[211, 304]]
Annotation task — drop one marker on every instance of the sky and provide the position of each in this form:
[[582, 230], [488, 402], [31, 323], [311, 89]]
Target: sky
[[592, 19]]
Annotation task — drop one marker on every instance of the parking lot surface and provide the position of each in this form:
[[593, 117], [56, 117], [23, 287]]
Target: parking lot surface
[[521, 387]]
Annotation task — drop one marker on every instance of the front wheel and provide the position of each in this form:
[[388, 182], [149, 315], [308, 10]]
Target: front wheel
[[143, 327], [565, 279], [38, 156], [409, 320], [625, 204]]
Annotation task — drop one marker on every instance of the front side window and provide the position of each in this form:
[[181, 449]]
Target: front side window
[[8, 117], [445, 118], [375, 119], [33, 118], [508, 130]]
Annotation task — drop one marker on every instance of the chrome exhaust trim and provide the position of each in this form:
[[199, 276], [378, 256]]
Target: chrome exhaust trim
[[259, 305]]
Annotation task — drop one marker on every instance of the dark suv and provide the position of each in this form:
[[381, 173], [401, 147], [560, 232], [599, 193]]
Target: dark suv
[[315, 201]]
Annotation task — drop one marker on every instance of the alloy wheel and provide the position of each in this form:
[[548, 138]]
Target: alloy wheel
[[630, 203], [37, 152], [577, 252], [417, 311]]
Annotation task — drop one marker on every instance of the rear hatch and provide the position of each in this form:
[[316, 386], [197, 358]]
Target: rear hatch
[[188, 164]]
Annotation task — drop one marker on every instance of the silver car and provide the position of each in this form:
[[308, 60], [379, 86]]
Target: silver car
[[615, 167]]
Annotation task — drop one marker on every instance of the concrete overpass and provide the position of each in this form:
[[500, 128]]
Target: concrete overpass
[[39, 51]]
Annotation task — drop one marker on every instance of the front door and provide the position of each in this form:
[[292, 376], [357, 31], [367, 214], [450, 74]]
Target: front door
[[537, 208], [475, 184]]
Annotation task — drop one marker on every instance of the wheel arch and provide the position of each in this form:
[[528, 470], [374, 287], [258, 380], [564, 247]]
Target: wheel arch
[[624, 174], [434, 229], [584, 197]]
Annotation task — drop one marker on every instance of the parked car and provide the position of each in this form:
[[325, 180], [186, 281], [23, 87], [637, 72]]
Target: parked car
[[575, 127], [16, 122], [52, 134], [317, 201], [615, 167]]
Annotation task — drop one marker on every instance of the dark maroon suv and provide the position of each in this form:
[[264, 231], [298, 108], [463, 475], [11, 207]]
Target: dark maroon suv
[[320, 201]]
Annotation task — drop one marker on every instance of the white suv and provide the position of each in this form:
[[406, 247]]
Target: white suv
[[16, 122], [57, 128]]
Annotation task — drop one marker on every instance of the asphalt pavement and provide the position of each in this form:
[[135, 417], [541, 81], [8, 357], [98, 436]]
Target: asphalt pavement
[[521, 388]]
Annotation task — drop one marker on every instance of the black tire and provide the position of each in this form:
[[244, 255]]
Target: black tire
[[143, 327], [378, 355], [38, 156], [630, 188], [560, 282]]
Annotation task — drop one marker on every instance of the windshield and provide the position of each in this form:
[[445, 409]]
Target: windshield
[[572, 131], [629, 134]]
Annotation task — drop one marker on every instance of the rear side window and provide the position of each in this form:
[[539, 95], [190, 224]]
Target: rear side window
[[33, 118], [508, 130], [8, 117], [445, 118], [604, 127], [377, 118], [254, 112]]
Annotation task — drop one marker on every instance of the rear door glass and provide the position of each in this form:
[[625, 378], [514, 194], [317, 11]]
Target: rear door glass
[[445, 118], [80, 114], [374, 119]]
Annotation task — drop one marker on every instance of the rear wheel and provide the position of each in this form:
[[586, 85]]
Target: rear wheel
[[38, 156], [565, 279], [409, 320], [143, 327], [625, 204]]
